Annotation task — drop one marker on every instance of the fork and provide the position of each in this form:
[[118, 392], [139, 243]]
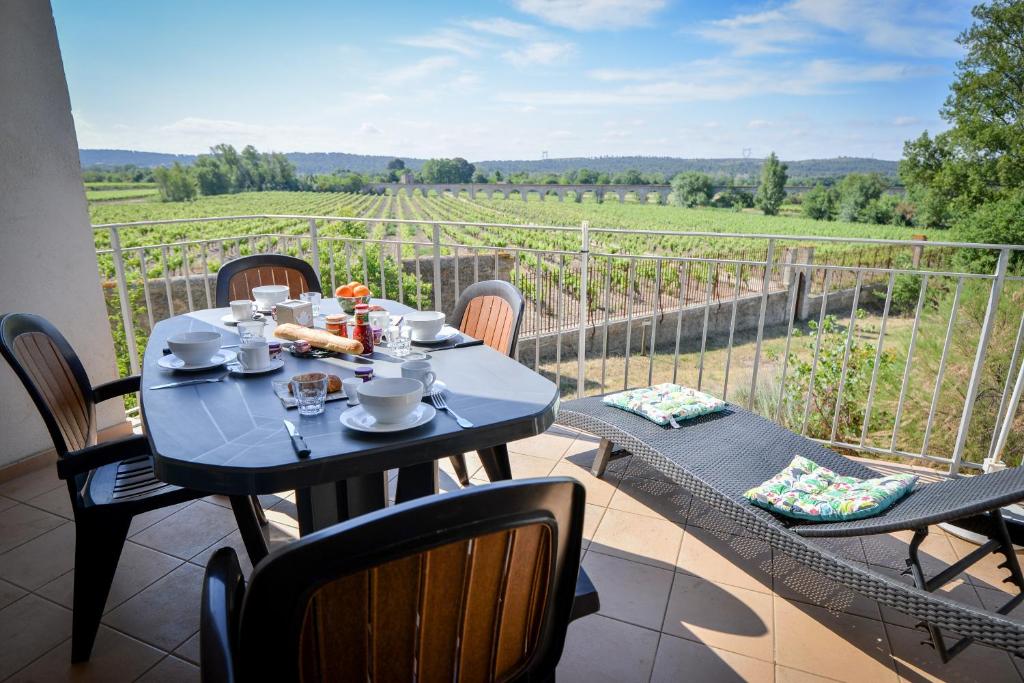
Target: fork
[[189, 382], [441, 404]]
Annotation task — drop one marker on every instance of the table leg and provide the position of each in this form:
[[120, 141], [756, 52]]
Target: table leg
[[322, 505], [495, 462], [417, 481], [249, 527]]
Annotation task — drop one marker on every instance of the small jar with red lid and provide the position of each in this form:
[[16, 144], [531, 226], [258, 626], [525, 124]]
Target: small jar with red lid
[[336, 323], [361, 331]]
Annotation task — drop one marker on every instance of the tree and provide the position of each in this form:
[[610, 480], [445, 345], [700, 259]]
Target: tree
[[820, 203], [456, 170], [997, 222], [772, 189], [480, 177], [212, 175], [856, 192], [585, 176], [981, 157], [176, 183], [691, 189], [630, 177], [396, 165]]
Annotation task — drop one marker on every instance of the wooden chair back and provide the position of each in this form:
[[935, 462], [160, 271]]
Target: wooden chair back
[[476, 585], [54, 377], [235, 279], [491, 310]]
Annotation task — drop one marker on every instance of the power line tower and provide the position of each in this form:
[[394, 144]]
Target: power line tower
[[544, 155], [746, 152]]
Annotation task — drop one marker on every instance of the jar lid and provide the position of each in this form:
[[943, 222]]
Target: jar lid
[[362, 308], [335, 318], [363, 371]]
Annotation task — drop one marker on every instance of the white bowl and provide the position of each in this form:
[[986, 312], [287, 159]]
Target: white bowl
[[390, 399], [195, 348], [269, 295], [424, 324]]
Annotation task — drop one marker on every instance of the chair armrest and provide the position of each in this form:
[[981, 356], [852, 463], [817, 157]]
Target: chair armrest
[[91, 457], [223, 590], [119, 387], [586, 601]]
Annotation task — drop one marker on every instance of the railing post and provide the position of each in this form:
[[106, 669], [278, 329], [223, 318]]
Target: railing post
[[994, 462], [581, 343], [314, 245], [122, 294], [979, 360], [765, 284], [437, 266]]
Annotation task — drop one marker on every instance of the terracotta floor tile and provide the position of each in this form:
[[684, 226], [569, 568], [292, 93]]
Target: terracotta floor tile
[[21, 523], [783, 674], [115, 657], [630, 591], [148, 519], [720, 616], [986, 573], [167, 613], [56, 501], [836, 645], [591, 520], [638, 538], [188, 531], [284, 513], [6, 503], [684, 660], [9, 593], [29, 628], [734, 560], [30, 485], [916, 662], [40, 560], [795, 581], [652, 498], [171, 670], [959, 589], [137, 568], [603, 650], [527, 466], [189, 650], [550, 445], [599, 491]]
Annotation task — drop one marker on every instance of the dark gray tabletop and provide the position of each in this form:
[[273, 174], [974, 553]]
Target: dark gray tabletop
[[228, 437]]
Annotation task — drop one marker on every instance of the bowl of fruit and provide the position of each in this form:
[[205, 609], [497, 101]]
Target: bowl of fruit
[[352, 294]]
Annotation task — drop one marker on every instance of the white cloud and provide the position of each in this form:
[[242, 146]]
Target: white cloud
[[539, 53], [891, 26], [193, 125], [500, 26], [448, 39], [906, 121], [759, 123], [369, 129], [420, 69], [585, 15]]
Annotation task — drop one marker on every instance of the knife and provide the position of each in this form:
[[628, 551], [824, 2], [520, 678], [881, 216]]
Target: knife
[[189, 382], [460, 345], [298, 443]]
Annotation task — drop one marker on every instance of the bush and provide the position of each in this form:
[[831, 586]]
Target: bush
[[856, 192], [997, 222], [691, 189], [732, 198], [820, 203], [176, 183]]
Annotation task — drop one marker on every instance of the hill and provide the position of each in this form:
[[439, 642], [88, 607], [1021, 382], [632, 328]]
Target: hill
[[326, 162]]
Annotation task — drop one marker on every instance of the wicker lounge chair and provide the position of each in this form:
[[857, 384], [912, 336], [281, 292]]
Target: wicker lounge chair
[[718, 457]]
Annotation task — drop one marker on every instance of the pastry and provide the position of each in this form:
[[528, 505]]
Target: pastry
[[321, 339], [333, 383]]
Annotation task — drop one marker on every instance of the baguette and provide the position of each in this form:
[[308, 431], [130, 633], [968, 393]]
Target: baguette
[[321, 339]]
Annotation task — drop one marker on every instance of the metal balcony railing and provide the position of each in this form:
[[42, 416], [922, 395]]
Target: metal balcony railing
[[773, 322]]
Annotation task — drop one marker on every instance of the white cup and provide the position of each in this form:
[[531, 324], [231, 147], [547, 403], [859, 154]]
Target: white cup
[[267, 296], [390, 399], [350, 385], [254, 355], [425, 325], [419, 369], [242, 309]]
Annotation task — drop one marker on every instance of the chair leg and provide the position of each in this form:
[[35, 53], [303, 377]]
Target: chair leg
[[460, 467], [98, 544], [495, 462], [261, 516]]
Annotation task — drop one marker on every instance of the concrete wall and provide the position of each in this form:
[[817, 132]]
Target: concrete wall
[[47, 258]]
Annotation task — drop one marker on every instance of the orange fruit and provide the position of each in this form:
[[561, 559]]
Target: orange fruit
[[360, 290], [344, 290]]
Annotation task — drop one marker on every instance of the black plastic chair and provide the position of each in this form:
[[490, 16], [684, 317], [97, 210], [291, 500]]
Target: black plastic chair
[[476, 585], [491, 310], [235, 279], [110, 482]]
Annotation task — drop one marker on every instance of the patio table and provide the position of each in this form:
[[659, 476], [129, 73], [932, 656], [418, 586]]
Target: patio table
[[228, 437]]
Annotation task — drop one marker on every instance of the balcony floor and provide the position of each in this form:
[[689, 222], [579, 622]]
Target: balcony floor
[[685, 595]]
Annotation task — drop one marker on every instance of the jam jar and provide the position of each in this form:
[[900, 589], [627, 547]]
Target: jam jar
[[362, 332], [337, 323]]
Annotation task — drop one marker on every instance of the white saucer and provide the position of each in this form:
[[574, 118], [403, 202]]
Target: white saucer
[[275, 364], [447, 333], [172, 362], [438, 387], [358, 419], [230, 319]]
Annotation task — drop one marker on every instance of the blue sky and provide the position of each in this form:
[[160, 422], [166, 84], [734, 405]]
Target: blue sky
[[806, 78]]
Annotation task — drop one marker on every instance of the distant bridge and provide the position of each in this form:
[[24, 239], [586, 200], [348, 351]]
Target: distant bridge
[[643, 193]]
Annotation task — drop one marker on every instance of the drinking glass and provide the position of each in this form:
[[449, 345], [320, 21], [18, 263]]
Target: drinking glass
[[398, 343], [314, 299], [250, 330], [310, 391], [381, 319]]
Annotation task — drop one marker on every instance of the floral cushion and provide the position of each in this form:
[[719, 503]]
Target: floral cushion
[[665, 403], [806, 490]]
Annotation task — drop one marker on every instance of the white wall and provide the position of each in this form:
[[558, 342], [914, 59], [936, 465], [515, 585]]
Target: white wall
[[47, 259]]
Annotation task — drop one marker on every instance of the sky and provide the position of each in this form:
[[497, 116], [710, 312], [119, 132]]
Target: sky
[[512, 79]]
